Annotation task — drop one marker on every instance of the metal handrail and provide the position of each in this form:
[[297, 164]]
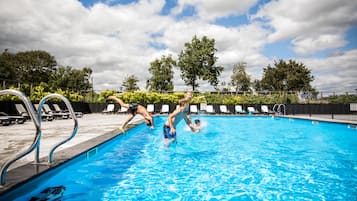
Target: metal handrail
[[276, 105], [278, 108], [37, 138], [70, 110]]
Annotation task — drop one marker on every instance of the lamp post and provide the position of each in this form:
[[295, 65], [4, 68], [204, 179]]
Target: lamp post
[[284, 90]]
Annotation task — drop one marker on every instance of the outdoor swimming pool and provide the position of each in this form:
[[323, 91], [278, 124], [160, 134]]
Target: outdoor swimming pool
[[232, 158]]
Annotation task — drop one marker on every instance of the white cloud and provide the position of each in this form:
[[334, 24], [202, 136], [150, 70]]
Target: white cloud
[[115, 40], [305, 46], [305, 22], [212, 9], [335, 72]]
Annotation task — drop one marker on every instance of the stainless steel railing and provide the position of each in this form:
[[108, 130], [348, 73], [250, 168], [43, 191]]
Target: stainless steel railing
[[36, 140], [280, 109], [75, 128], [36, 118]]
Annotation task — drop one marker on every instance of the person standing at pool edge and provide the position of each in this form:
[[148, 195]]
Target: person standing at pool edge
[[133, 110], [175, 117]]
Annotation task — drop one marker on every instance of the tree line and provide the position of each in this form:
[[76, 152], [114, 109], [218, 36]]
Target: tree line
[[197, 61], [39, 68]]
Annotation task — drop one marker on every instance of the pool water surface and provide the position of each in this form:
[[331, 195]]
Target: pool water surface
[[232, 158]]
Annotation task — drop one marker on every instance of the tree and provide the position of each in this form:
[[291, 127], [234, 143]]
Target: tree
[[257, 86], [240, 79], [291, 76], [197, 61], [162, 74], [7, 69], [34, 66], [73, 79], [130, 83]]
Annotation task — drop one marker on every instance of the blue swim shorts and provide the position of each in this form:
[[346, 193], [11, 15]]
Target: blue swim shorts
[[167, 133]]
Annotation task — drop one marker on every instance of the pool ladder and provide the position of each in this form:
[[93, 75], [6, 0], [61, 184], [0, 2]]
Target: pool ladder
[[37, 122], [280, 109]]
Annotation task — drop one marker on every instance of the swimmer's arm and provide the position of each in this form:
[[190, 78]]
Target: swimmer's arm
[[189, 123], [152, 122]]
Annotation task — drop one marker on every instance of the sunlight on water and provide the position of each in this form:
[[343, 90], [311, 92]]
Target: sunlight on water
[[232, 158]]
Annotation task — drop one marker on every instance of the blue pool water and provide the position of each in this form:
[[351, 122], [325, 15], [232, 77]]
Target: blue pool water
[[232, 158]]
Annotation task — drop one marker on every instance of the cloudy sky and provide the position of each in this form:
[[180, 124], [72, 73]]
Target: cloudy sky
[[118, 38]]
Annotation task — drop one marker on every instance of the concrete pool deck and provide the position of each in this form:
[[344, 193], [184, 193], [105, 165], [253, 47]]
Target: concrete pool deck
[[94, 129]]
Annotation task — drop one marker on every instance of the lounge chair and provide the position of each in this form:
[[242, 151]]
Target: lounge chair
[[123, 110], [223, 109], [210, 110], [193, 109], [150, 108], [109, 109], [45, 116], [252, 110], [15, 119], [239, 109], [5, 121], [203, 107], [165, 109], [266, 110], [22, 111], [59, 115], [59, 110]]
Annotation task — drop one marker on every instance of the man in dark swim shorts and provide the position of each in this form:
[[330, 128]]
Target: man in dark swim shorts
[[167, 134], [133, 110], [175, 117], [133, 107]]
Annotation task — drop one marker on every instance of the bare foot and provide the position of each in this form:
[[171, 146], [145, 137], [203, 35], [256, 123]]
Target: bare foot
[[122, 129]]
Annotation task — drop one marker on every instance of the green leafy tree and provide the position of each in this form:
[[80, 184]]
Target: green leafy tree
[[240, 79], [34, 66], [162, 74], [287, 76], [197, 61], [73, 79], [257, 85], [7, 68], [130, 83]]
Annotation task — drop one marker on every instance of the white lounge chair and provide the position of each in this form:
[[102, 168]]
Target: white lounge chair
[[223, 109], [210, 110], [165, 109], [193, 109], [252, 110], [123, 110], [265, 109], [150, 108], [203, 106], [110, 108], [239, 109]]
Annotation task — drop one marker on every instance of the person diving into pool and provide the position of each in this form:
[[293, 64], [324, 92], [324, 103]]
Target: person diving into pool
[[134, 109], [175, 117]]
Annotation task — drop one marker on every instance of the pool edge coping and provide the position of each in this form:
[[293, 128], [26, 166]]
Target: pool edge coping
[[27, 172]]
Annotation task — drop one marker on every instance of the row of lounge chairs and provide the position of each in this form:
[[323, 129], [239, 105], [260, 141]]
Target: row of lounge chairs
[[48, 114], [209, 109]]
